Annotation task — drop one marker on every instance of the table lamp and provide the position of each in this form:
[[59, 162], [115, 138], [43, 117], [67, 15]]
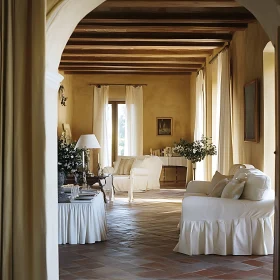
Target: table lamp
[[87, 141]]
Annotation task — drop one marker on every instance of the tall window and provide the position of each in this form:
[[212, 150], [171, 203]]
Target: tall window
[[116, 127]]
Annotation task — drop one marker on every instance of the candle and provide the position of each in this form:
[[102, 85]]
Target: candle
[[98, 158]]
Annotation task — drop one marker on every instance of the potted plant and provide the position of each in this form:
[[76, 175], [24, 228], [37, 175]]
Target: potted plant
[[69, 162], [195, 151]]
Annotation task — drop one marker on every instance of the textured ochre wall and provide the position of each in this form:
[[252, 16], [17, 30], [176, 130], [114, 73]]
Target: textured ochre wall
[[65, 113], [164, 96], [247, 64]]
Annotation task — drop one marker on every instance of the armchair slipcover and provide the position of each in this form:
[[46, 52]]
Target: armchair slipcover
[[144, 175]]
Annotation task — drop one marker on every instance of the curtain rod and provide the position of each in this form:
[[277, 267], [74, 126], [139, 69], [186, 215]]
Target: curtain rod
[[117, 84], [215, 56]]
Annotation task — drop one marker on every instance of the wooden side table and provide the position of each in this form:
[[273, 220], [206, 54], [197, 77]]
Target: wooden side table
[[91, 180]]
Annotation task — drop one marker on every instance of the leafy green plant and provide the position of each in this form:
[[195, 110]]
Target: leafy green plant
[[69, 158], [195, 151]]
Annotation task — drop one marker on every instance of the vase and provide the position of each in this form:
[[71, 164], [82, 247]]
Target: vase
[[62, 197]]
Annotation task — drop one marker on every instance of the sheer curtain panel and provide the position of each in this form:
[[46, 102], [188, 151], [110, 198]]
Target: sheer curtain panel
[[100, 124], [23, 200], [134, 124], [225, 156], [200, 120]]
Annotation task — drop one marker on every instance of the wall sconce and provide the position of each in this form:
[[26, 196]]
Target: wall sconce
[[62, 97]]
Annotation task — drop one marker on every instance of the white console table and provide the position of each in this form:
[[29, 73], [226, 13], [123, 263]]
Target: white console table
[[175, 162]]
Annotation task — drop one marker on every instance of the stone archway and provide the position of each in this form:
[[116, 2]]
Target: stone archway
[[58, 31]]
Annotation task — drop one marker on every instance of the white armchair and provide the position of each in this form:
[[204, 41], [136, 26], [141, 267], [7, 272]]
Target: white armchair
[[222, 226], [144, 175]]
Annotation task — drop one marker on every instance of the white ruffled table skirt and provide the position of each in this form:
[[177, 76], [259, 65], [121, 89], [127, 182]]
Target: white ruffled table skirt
[[82, 222]]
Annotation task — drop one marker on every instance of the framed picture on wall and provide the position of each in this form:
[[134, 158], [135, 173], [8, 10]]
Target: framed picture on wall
[[164, 126], [251, 111]]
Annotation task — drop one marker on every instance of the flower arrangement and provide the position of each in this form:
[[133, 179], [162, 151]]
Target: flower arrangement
[[69, 158], [196, 151]]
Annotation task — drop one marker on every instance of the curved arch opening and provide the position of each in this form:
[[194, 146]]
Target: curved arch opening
[[59, 29]]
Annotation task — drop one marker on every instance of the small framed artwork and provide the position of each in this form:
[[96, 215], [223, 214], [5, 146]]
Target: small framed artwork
[[251, 111], [164, 126]]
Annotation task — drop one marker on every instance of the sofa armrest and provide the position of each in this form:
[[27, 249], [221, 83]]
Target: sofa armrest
[[198, 187], [108, 169], [138, 171]]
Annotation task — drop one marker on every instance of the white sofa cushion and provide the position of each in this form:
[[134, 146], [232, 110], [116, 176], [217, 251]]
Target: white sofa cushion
[[257, 185]]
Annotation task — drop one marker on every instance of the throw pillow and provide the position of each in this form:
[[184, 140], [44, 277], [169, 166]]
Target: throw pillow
[[233, 189], [125, 166], [218, 177], [219, 187]]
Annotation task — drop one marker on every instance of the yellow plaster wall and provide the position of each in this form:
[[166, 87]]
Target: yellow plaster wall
[[247, 64], [165, 96], [65, 113]]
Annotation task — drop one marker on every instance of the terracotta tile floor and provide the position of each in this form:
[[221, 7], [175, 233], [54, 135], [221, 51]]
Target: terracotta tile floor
[[141, 237]]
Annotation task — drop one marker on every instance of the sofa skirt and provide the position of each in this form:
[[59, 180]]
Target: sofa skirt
[[243, 236]]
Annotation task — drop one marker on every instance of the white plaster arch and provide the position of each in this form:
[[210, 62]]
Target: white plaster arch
[[60, 23], [269, 48]]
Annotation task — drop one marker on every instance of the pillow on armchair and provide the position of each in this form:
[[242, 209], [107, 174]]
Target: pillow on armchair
[[125, 166]]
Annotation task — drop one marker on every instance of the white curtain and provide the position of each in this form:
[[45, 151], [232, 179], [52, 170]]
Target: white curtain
[[24, 193], [225, 156], [200, 121], [216, 100], [100, 124], [134, 121]]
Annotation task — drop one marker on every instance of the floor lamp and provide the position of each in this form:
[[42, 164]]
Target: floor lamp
[[87, 141]]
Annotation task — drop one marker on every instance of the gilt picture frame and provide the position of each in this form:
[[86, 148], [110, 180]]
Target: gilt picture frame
[[164, 126], [251, 111]]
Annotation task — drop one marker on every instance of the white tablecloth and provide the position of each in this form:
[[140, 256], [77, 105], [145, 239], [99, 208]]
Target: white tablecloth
[[82, 222], [174, 161]]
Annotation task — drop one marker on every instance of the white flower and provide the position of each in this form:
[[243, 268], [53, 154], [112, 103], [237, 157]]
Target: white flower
[[194, 151]]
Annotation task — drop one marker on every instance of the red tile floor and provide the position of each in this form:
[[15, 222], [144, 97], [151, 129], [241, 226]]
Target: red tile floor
[[141, 237]]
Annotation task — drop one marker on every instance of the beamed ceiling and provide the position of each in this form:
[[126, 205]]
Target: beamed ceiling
[[151, 37]]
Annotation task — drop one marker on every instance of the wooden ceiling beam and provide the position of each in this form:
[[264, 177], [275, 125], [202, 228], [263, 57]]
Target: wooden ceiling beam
[[128, 64], [144, 68], [153, 37], [123, 73], [141, 45], [135, 59], [187, 19], [170, 4], [136, 53], [211, 28]]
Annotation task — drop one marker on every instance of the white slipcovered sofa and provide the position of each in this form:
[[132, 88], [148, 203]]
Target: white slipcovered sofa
[[222, 226], [144, 174]]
